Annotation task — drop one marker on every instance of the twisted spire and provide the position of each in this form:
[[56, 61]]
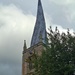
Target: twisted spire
[[39, 26]]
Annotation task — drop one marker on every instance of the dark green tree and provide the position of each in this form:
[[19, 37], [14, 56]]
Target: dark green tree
[[59, 56]]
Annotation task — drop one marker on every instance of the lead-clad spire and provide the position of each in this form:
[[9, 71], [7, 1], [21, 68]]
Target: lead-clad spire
[[40, 28]]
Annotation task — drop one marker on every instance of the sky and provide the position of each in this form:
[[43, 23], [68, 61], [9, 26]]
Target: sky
[[17, 20]]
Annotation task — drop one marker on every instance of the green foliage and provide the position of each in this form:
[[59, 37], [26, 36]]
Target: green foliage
[[59, 56]]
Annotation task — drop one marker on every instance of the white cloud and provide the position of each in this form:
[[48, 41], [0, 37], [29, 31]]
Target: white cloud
[[60, 28], [15, 26], [14, 23]]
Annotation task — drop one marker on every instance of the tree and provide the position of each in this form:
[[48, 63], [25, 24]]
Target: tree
[[59, 56]]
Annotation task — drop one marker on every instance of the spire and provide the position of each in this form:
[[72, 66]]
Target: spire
[[39, 26], [25, 47]]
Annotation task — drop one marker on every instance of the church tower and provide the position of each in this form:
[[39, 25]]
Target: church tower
[[37, 41]]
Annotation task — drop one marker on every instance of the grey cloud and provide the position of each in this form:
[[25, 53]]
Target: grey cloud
[[63, 13], [16, 25], [61, 2], [8, 69], [57, 14]]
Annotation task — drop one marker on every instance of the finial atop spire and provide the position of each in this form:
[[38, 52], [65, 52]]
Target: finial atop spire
[[39, 26], [25, 47]]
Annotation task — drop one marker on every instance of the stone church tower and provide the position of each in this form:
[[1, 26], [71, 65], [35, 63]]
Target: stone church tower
[[37, 41]]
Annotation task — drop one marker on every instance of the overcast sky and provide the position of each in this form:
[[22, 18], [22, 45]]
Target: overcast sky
[[17, 20]]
